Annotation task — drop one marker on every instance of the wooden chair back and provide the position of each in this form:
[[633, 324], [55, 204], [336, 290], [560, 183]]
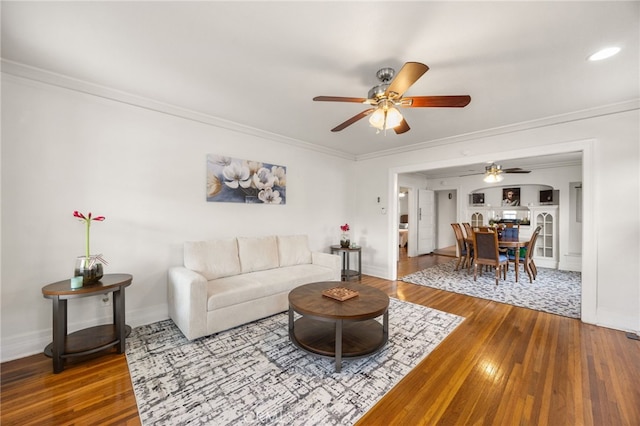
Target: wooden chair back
[[486, 247], [483, 229], [468, 229], [532, 244], [511, 233], [463, 252], [486, 252], [459, 237]]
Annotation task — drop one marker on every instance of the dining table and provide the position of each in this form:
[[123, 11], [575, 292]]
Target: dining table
[[516, 244], [509, 243]]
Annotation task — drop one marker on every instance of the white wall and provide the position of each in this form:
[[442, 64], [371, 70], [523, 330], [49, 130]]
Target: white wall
[[146, 172], [445, 216], [611, 293]]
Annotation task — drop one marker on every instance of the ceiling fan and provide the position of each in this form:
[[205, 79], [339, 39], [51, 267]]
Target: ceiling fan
[[388, 95], [493, 173]]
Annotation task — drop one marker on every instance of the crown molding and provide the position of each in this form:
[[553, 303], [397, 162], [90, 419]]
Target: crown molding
[[47, 77], [630, 105], [23, 71]]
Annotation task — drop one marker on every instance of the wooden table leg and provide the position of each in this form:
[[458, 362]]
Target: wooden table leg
[[59, 333], [118, 312], [385, 325], [348, 269], [517, 256], [338, 346], [290, 319]]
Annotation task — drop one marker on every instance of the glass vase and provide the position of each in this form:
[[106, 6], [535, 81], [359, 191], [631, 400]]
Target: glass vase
[[344, 241], [89, 269]]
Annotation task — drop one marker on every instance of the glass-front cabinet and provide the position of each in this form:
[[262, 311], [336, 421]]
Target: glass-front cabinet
[[546, 253], [546, 249], [477, 219]]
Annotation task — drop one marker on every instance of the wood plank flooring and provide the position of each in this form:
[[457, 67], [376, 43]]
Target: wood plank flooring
[[503, 365]]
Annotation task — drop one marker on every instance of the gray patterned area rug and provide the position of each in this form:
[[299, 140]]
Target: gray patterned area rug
[[254, 375], [553, 291]]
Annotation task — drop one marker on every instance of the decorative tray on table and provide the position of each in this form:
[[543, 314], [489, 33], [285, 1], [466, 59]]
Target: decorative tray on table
[[340, 293]]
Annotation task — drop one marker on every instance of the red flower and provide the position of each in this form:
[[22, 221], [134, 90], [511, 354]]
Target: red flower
[[87, 219], [79, 215], [344, 227]]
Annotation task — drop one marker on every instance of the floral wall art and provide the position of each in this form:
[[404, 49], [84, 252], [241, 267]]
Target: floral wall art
[[233, 180]]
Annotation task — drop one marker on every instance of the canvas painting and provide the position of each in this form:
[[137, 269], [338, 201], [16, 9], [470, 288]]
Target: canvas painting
[[511, 197], [233, 180]]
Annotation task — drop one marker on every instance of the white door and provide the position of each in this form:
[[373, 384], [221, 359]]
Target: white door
[[426, 221]]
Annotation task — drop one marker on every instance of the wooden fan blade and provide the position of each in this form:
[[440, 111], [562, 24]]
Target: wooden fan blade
[[516, 170], [402, 127], [409, 74], [352, 120], [339, 99], [437, 101]]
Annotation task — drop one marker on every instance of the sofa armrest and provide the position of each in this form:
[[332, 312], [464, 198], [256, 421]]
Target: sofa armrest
[[332, 261], [187, 298]]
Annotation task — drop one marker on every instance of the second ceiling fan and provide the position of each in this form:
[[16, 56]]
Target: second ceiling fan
[[493, 172], [388, 95]]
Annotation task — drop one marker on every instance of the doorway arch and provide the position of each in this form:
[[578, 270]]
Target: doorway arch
[[589, 235]]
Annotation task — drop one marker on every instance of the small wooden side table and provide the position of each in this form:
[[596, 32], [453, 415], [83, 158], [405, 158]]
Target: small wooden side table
[[347, 272], [89, 340]]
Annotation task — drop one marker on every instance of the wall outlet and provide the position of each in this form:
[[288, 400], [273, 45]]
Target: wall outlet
[[105, 300]]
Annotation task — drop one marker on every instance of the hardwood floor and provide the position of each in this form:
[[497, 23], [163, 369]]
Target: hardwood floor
[[502, 365]]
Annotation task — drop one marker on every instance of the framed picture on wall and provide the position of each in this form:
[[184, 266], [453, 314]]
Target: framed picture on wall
[[511, 196], [236, 180], [477, 199]]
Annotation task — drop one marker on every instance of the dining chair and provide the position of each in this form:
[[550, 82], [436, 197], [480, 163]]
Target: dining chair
[[526, 256], [463, 252], [486, 253], [509, 233], [468, 229]]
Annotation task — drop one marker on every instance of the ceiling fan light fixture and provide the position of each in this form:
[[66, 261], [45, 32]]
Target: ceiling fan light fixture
[[394, 118], [386, 116], [493, 178], [493, 174], [377, 119]]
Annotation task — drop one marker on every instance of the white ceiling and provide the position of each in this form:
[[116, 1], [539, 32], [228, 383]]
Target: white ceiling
[[259, 64]]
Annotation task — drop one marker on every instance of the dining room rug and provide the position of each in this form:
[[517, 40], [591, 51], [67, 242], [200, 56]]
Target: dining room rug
[[254, 375], [554, 291]]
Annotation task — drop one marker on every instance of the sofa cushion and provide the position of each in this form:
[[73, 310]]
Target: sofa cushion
[[233, 290], [241, 288], [212, 259], [258, 254], [293, 250]]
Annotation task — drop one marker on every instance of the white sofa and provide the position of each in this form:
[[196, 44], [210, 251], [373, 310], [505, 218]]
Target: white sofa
[[226, 283]]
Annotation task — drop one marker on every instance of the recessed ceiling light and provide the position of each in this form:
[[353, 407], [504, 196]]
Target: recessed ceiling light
[[604, 53]]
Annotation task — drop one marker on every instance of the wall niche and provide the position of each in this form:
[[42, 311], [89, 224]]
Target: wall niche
[[492, 196]]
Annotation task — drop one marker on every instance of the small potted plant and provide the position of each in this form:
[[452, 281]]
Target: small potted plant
[[89, 266], [344, 239]]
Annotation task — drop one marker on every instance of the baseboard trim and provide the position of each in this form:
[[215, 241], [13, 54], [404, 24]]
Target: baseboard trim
[[28, 344]]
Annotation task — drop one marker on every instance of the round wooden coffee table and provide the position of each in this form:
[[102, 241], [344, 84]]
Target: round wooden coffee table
[[338, 329]]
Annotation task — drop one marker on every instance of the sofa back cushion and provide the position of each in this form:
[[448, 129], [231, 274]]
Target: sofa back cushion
[[212, 259], [293, 250], [258, 254]]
